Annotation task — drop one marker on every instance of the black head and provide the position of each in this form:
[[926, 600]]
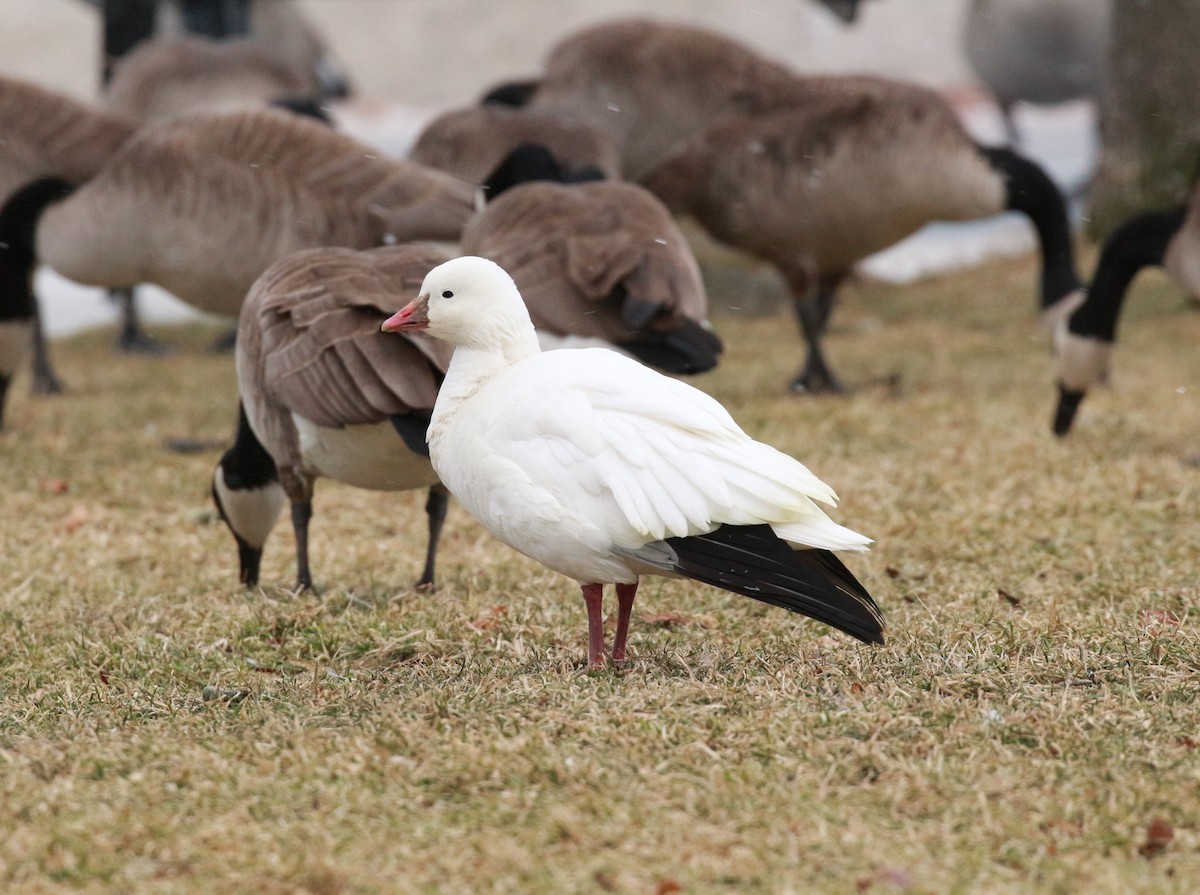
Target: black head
[[248, 496], [515, 94], [531, 162], [1068, 405]]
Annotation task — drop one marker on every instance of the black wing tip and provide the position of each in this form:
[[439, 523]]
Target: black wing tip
[[754, 562]]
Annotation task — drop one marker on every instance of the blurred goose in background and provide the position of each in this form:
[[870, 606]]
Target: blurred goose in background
[[1085, 342], [597, 261], [168, 77], [202, 205], [325, 393], [1038, 51], [651, 84], [604, 470], [44, 134], [815, 188], [275, 56], [471, 143]]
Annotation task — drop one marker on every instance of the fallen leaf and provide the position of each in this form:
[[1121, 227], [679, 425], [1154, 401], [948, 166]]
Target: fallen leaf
[[892, 572], [78, 517], [55, 486], [1158, 836], [1158, 617], [666, 886], [490, 620], [1007, 597]]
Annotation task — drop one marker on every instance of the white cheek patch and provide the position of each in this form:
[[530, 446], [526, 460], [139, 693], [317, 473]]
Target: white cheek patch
[[15, 340], [1054, 318], [251, 513], [1082, 361]]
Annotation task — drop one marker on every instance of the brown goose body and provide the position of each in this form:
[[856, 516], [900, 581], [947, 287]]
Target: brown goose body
[[324, 392], [203, 205], [170, 76], [43, 133], [470, 143], [651, 84], [601, 260], [817, 187]]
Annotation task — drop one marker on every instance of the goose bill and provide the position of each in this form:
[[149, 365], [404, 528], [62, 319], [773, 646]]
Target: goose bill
[[414, 315]]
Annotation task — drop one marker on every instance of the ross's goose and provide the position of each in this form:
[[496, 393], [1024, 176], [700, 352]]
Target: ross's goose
[[324, 393], [604, 469]]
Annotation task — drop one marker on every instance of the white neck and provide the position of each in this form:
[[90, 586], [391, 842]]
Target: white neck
[[472, 365]]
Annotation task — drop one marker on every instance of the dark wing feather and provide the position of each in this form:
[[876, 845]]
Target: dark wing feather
[[321, 351], [752, 560]]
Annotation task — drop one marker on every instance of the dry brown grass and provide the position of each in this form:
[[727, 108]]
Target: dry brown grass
[[1034, 712]]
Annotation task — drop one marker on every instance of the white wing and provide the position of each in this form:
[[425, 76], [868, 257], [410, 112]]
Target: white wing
[[644, 457]]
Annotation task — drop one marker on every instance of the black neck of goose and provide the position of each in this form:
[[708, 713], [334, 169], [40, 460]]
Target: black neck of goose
[[247, 465], [531, 162], [18, 253], [1139, 242], [514, 94], [1030, 191]]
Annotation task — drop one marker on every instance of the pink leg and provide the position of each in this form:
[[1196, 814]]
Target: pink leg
[[625, 595], [593, 594]]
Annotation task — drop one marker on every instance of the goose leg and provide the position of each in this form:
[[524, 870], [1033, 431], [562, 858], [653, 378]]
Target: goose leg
[[132, 339], [435, 508], [625, 597], [45, 380], [812, 311], [301, 514], [593, 594]]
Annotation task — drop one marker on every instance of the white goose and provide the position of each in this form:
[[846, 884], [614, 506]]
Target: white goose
[[604, 470]]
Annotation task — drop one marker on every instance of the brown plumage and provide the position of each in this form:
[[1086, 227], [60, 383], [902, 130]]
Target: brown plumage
[[651, 84], [817, 187], [170, 76], [44, 133], [601, 260], [470, 143], [810, 173], [203, 205], [325, 393]]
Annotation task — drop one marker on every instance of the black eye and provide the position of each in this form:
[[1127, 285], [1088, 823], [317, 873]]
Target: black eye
[[447, 294]]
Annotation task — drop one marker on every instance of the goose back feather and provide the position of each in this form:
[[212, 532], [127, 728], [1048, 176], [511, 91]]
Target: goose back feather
[[470, 143], [170, 76], [601, 260]]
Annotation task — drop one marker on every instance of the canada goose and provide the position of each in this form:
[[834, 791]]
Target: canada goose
[[470, 143], [202, 205], [1085, 341], [1037, 51], [45, 134], [595, 260], [325, 393], [815, 188]]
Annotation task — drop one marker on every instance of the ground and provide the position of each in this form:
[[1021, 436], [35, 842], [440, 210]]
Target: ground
[[1031, 725]]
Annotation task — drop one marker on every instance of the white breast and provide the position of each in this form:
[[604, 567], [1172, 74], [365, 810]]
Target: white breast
[[370, 456]]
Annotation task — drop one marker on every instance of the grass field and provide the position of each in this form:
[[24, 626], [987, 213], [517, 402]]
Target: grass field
[[1031, 726]]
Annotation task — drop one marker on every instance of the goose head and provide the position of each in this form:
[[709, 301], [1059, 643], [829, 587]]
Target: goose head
[[469, 302]]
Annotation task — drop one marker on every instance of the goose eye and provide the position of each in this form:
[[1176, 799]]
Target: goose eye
[[447, 294]]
